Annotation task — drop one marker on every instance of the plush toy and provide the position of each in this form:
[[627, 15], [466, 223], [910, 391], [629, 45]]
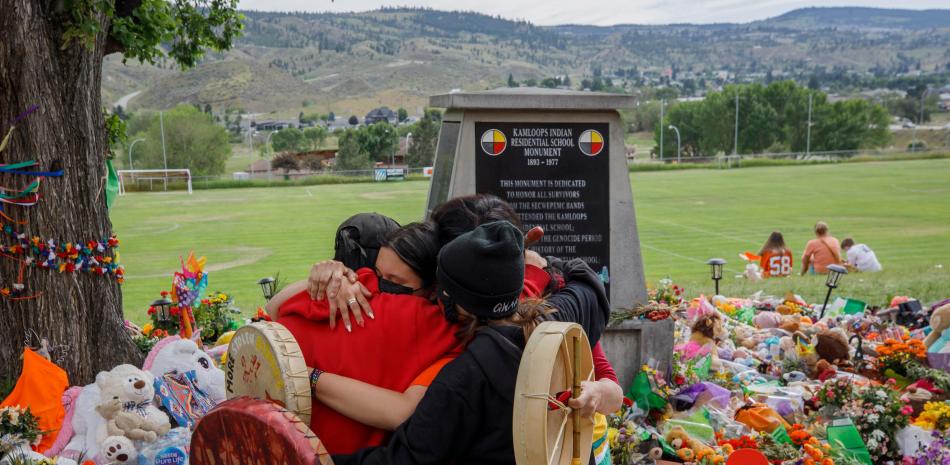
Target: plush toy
[[118, 449], [765, 320], [939, 322], [791, 323], [707, 331], [832, 346], [744, 336], [126, 394], [174, 354], [824, 370], [686, 447]]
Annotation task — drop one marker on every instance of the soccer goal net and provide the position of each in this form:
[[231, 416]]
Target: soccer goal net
[[149, 179]]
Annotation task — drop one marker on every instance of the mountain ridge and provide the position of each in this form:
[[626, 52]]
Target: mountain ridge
[[351, 62]]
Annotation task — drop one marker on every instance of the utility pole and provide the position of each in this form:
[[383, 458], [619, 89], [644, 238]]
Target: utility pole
[[808, 130], [130, 151], [920, 119], [662, 104], [678, 151], [250, 141], [735, 142], [161, 123]]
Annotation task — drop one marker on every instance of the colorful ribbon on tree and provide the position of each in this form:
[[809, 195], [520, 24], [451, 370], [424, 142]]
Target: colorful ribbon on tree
[[97, 257]]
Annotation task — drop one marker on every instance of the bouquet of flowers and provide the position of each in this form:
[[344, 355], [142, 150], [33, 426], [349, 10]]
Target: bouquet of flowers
[[896, 355], [213, 316], [17, 426], [936, 416], [935, 453], [878, 413], [666, 292]]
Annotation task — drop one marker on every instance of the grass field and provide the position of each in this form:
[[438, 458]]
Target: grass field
[[901, 209]]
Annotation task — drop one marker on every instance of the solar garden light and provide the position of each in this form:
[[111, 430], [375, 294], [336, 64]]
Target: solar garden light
[[162, 309], [834, 275], [716, 265], [268, 287]]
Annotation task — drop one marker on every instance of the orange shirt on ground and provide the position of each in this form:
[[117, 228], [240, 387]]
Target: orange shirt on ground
[[822, 252], [776, 263]]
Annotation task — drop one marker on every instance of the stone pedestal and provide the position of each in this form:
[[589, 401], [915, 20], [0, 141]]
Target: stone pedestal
[[558, 157]]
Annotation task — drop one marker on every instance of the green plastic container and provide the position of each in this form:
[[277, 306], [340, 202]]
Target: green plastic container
[[844, 436], [854, 306]]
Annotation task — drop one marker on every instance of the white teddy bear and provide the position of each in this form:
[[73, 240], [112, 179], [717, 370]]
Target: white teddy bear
[[126, 395], [174, 354], [118, 449]]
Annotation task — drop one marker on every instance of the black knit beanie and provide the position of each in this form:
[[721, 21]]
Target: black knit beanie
[[483, 270]]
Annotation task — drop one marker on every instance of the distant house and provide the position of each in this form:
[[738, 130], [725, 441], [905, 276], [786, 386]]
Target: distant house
[[380, 114], [275, 125]]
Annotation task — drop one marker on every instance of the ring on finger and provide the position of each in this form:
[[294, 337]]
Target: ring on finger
[[351, 301]]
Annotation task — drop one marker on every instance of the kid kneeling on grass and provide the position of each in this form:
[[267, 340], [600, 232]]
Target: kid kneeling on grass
[[466, 415]]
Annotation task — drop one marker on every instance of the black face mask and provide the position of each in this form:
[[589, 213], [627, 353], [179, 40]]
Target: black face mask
[[390, 287]]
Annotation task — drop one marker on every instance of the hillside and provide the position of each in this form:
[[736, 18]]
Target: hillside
[[349, 63]]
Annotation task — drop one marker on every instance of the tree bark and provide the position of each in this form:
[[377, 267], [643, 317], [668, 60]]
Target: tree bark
[[80, 311]]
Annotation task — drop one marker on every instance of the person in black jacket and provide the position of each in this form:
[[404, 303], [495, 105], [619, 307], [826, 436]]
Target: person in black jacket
[[465, 416]]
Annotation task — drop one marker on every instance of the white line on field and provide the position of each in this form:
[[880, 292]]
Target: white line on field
[[702, 230], [684, 257], [308, 192]]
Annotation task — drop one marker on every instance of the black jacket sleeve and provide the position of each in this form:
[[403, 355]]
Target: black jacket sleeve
[[442, 420], [578, 302]]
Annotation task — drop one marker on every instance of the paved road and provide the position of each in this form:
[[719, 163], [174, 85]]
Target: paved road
[[124, 100]]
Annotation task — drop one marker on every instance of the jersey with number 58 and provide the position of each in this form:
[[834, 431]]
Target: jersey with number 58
[[775, 263]]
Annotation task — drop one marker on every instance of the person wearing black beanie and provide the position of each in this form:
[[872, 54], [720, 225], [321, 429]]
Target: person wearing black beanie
[[483, 270], [465, 417]]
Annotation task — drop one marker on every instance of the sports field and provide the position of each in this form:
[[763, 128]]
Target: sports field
[[900, 209]]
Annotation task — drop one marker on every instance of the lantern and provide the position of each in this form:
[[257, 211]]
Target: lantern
[[716, 267], [162, 309], [834, 275], [268, 287]]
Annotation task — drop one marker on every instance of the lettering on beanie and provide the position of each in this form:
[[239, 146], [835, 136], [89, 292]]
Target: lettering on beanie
[[505, 307]]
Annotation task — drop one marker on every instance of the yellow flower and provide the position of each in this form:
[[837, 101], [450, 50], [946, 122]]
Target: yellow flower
[[147, 329], [612, 434]]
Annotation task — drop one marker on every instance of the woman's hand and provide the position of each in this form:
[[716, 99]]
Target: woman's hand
[[601, 396], [350, 298], [533, 258], [326, 277]]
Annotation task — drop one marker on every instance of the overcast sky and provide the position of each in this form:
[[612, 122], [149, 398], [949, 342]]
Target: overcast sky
[[600, 12]]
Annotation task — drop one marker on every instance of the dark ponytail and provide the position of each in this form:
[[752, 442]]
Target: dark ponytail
[[460, 215]]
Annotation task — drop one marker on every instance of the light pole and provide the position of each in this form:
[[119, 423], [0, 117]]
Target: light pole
[[834, 275], [920, 119], [735, 143], [267, 141], [130, 150], [715, 265], [662, 104], [250, 140], [808, 129], [675, 129], [161, 122]]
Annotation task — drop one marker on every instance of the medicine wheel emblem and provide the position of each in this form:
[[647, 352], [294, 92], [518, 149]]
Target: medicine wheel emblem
[[494, 142], [591, 142]]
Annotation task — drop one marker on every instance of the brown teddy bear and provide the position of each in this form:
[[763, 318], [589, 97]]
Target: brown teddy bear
[[686, 447], [939, 322], [708, 330], [832, 346]]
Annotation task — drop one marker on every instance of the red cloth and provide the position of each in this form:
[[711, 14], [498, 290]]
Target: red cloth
[[408, 335], [602, 367], [536, 280]]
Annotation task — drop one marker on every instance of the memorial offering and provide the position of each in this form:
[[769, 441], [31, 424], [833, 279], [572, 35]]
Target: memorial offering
[[849, 388]]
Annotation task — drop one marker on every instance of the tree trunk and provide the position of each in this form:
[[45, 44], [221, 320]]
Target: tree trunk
[[80, 311]]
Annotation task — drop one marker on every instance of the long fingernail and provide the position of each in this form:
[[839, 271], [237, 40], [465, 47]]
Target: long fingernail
[[370, 314], [349, 328]]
